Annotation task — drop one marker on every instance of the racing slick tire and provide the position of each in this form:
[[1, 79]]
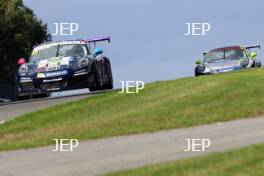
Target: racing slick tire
[[256, 63], [102, 74], [22, 98], [196, 73], [42, 95]]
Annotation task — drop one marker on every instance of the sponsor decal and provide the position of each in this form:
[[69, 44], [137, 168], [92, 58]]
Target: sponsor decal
[[65, 61], [46, 46], [40, 75], [225, 70], [52, 80], [220, 70], [81, 72], [54, 63], [42, 63], [25, 80], [56, 73]]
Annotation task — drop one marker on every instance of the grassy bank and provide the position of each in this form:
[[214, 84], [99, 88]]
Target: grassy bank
[[243, 162], [161, 105]]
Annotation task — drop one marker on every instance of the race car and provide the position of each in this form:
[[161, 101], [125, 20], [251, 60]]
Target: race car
[[227, 59], [64, 65]]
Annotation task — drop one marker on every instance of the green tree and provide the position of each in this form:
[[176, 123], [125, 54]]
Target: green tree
[[20, 30]]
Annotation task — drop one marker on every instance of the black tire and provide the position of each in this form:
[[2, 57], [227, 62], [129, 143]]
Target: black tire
[[43, 95], [196, 73], [22, 98], [93, 89], [109, 84], [102, 74], [256, 63], [96, 77], [19, 97]]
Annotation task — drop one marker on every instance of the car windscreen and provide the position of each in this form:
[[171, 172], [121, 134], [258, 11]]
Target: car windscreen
[[49, 51], [225, 54], [72, 50], [42, 53]]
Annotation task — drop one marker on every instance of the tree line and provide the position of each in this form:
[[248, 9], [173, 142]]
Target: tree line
[[20, 30]]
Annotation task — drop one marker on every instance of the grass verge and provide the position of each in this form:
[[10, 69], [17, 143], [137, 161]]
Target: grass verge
[[242, 162], [161, 105]]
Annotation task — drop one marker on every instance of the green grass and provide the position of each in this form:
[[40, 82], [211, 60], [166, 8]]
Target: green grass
[[243, 162], [161, 105]]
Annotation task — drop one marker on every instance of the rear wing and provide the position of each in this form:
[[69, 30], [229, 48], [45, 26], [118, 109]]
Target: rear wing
[[99, 39], [94, 40], [246, 47], [253, 46]]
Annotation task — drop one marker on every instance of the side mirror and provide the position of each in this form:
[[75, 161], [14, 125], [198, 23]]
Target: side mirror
[[21, 61], [98, 51], [253, 54], [198, 62]]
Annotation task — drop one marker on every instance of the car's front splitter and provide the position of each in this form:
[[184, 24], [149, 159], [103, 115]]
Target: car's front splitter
[[48, 85]]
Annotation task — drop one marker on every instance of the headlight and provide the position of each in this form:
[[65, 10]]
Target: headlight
[[23, 70], [83, 62], [244, 63], [201, 68]]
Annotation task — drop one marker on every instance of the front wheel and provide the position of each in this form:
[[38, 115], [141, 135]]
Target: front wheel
[[102, 72], [22, 98], [196, 72], [256, 63], [19, 97], [42, 95]]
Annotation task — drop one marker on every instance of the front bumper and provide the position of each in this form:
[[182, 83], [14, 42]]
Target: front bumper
[[221, 70], [49, 82]]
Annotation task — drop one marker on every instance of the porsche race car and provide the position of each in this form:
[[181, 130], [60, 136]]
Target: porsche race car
[[227, 59], [65, 65]]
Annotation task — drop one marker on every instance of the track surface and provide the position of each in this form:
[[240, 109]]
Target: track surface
[[13, 109], [106, 155]]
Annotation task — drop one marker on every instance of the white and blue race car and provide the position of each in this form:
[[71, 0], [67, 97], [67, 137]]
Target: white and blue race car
[[227, 59], [65, 65]]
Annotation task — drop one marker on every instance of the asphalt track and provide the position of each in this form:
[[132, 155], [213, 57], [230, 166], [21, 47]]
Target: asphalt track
[[107, 155], [9, 110]]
